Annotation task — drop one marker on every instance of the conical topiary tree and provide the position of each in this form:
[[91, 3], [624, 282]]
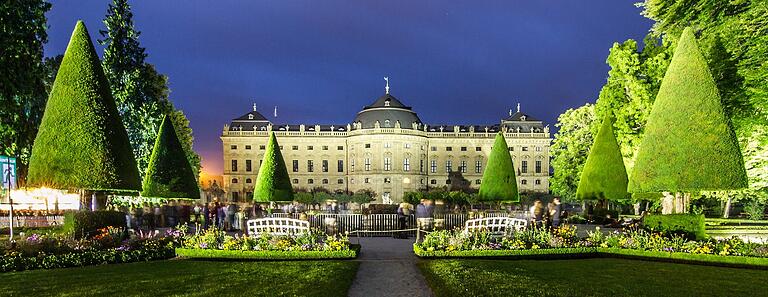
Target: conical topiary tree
[[273, 183], [499, 182], [689, 144], [82, 143], [169, 174], [604, 176]]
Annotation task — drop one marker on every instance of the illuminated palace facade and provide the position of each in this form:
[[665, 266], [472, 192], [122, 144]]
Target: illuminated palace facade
[[386, 149]]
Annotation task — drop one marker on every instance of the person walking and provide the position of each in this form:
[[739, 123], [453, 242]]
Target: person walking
[[205, 218], [221, 216], [554, 212], [537, 213]]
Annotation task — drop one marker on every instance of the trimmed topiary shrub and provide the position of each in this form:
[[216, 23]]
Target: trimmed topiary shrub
[[604, 175], [499, 182], [169, 174], [82, 143], [690, 226], [689, 144], [273, 182], [87, 223]]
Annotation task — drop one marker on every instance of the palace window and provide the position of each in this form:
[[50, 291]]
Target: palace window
[[511, 148], [352, 165], [448, 166], [448, 148], [235, 196], [340, 148], [478, 166], [407, 145], [433, 182], [295, 147], [340, 165], [261, 147], [421, 165], [434, 148], [386, 123], [247, 147], [367, 180], [478, 149], [538, 148], [463, 166], [524, 148], [406, 164], [234, 180], [448, 181], [524, 167], [234, 165], [310, 181], [537, 182], [325, 147], [524, 182], [387, 145], [433, 166], [477, 181], [233, 147], [340, 181], [367, 164], [325, 181], [309, 147], [295, 165], [387, 180], [248, 180], [310, 166], [538, 166], [325, 165], [295, 180], [463, 148], [248, 165], [387, 163], [367, 145]]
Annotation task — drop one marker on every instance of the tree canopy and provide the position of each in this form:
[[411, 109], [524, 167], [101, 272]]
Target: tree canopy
[[604, 175], [82, 142], [570, 148], [273, 182], [169, 174], [499, 182], [689, 144]]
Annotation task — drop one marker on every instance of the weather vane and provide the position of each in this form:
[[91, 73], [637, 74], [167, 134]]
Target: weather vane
[[386, 89]]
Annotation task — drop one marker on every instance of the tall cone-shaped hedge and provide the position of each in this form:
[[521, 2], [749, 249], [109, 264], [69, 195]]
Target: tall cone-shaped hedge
[[499, 182], [273, 183], [604, 175], [82, 143], [169, 174], [689, 144]]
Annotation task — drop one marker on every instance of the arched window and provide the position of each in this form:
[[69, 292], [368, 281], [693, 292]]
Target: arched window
[[234, 180], [248, 181], [386, 123]]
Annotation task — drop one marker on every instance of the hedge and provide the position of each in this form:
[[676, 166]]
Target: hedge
[[689, 144], [690, 226], [572, 253], [85, 224], [169, 174], [273, 182], [499, 182], [604, 175], [82, 143], [267, 255], [82, 258]]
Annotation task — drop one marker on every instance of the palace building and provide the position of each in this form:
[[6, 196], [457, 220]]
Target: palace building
[[386, 149]]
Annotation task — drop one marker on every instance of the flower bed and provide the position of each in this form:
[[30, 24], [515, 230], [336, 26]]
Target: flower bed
[[216, 244], [111, 245], [563, 243]]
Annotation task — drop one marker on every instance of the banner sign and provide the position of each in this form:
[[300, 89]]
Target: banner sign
[[8, 170]]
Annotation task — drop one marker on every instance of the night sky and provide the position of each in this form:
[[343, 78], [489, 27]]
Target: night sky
[[455, 62]]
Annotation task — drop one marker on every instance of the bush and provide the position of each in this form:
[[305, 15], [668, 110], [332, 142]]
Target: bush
[[755, 210], [85, 224], [690, 226], [382, 208], [267, 255], [604, 215]]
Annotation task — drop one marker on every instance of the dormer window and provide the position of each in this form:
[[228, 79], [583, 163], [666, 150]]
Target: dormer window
[[386, 122], [522, 118], [386, 102]]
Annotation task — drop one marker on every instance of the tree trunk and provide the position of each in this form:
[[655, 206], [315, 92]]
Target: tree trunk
[[727, 208]]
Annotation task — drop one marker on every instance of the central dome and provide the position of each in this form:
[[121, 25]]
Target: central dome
[[387, 110]]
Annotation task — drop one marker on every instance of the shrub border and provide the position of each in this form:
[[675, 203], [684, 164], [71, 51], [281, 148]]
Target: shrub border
[[82, 259], [210, 254], [583, 253]]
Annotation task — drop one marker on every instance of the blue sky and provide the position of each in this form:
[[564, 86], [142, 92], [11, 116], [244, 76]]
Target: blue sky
[[463, 62]]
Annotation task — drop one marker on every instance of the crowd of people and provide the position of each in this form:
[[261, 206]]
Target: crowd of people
[[223, 215], [550, 216]]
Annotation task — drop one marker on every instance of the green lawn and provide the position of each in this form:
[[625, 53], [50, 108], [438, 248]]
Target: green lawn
[[187, 278], [588, 277]]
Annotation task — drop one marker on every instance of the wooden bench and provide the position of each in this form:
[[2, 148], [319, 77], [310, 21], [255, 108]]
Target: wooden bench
[[277, 226], [497, 226]]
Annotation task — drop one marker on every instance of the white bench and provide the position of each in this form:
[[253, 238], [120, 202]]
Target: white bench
[[495, 225], [277, 226]]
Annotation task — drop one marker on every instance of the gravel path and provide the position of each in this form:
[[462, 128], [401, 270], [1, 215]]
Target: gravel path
[[388, 268]]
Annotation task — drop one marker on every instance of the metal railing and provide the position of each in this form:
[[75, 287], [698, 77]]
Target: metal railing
[[32, 221]]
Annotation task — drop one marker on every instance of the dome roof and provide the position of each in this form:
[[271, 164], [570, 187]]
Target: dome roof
[[387, 110]]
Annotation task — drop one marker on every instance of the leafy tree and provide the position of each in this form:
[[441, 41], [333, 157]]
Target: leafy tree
[[273, 182], [413, 197], [689, 144], [140, 91], [604, 176], [499, 182], [23, 81], [570, 148], [82, 143], [169, 174]]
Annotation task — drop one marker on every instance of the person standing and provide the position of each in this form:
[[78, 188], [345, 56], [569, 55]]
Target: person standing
[[205, 218], [231, 212], [555, 209], [221, 216], [537, 213]]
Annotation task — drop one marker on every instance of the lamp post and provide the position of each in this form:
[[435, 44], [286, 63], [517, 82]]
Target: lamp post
[[9, 166]]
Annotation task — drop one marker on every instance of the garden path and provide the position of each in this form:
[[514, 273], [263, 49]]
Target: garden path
[[388, 268]]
